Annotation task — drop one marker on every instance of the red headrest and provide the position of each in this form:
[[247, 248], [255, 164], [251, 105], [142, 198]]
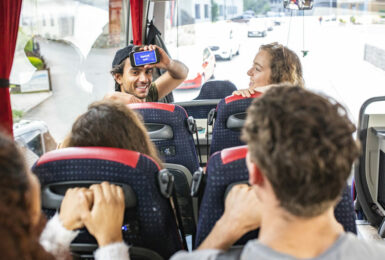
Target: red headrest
[[153, 105], [232, 154], [123, 156], [232, 98]]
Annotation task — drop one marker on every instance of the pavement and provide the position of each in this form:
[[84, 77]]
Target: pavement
[[27, 101]]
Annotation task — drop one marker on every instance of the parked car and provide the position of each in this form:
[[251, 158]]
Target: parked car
[[257, 28], [225, 42], [201, 66]]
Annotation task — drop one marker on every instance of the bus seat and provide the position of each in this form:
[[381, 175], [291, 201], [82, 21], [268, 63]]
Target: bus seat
[[213, 89], [216, 89], [168, 129], [231, 114], [228, 167], [369, 172], [149, 220], [178, 145]]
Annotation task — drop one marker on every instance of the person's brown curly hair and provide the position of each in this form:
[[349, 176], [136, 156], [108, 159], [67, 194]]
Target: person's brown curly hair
[[285, 65], [111, 124], [19, 238], [303, 144]]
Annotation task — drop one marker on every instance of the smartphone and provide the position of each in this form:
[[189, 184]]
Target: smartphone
[[141, 58]]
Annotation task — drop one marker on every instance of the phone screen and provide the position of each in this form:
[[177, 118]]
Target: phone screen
[[145, 57]]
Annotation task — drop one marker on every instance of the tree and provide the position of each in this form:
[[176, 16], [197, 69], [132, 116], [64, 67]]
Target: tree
[[214, 11], [258, 6]]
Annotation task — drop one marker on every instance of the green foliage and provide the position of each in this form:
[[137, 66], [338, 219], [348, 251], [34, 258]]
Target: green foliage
[[29, 46], [36, 62], [258, 6], [214, 11], [17, 115]]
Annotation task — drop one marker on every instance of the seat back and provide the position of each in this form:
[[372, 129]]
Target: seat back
[[211, 90], [228, 167], [149, 220], [168, 129], [369, 172], [216, 89], [231, 114]]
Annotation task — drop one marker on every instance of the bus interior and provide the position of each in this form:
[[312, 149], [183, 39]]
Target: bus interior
[[62, 62]]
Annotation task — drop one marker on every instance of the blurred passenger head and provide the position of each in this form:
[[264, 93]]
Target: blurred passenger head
[[21, 221], [274, 64], [111, 124], [302, 144]]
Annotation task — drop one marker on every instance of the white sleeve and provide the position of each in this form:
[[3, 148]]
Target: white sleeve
[[56, 239], [114, 251], [206, 254]]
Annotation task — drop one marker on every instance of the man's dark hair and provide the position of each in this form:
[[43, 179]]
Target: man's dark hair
[[120, 60], [303, 144]]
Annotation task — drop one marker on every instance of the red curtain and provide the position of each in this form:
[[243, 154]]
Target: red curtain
[[137, 18], [9, 25]]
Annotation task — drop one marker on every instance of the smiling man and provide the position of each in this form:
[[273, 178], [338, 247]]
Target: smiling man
[[134, 84]]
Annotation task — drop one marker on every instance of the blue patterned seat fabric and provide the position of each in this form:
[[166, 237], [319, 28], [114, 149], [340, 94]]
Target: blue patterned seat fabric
[[229, 166], [224, 137], [213, 89], [153, 214], [181, 148], [216, 89]]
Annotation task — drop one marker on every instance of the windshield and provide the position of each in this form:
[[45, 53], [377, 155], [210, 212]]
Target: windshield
[[65, 49]]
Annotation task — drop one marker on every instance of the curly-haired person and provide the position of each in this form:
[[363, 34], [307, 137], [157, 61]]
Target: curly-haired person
[[301, 151], [274, 64]]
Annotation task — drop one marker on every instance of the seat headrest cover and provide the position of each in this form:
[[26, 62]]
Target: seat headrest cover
[[153, 105], [129, 158], [232, 98], [233, 154]]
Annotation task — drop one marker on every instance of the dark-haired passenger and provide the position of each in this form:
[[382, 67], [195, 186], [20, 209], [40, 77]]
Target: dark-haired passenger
[[274, 64], [135, 84], [23, 232], [301, 151], [111, 124]]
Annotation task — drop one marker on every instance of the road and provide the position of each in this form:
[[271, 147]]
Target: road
[[334, 66], [76, 82]]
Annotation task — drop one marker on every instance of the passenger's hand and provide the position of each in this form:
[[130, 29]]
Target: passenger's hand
[[241, 216], [164, 60], [75, 201], [105, 219], [122, 97], [242, 209], [244, 92]]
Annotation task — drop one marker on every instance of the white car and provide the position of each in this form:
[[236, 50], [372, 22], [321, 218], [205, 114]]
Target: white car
[[257, 27], [225, 42]]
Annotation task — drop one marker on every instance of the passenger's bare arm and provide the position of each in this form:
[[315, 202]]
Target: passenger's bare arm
[[123, 97], [175, 75], [241, 216]]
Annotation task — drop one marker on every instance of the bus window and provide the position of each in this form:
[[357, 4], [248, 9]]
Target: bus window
[[64, 53], [68, 46]]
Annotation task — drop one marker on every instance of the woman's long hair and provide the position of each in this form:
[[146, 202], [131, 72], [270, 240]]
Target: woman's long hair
[[19, 238], [111, 124]]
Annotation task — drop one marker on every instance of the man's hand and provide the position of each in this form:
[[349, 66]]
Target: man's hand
[[105, 219], [245, 92], [241, 216], [164, 61], [122, 97], [75, 200], [242, 209]]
